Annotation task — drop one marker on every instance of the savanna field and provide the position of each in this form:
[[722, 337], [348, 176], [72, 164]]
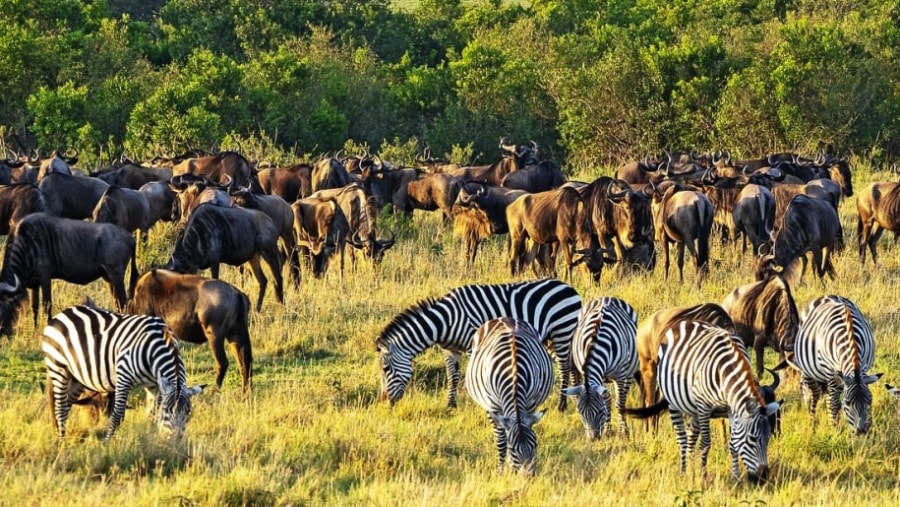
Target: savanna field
[[314, 431]]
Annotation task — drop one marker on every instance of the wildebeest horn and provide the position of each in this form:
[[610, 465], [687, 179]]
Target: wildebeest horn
[[771, 160], [5, 287], [389, 242]]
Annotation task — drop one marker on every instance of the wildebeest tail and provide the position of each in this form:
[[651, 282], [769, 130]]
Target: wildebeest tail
[[134, 271], [703, 239]]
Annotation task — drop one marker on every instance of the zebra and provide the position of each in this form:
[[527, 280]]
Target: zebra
[[551, 306], [704, 371], [604, 348], [509, 374], [835, 347], [106, 352]]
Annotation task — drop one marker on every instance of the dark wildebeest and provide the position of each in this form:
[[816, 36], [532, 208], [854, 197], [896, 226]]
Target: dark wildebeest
[[552, 219], [124, 207], [764, 313], [215, 235], [6, 170], [282, 216], [16, 202], [227, 169], [289, 183], [160, 199], [480, 211], [71, 196], [808, 225], [640, 172], [192, 192], [683, 217], [390, 186], [133, 175], [56, 164], [361, 218], [754, 216], [539, 177], [879, 210], [329, 173], [621, 220], [433, 191], [199, 310], [321, 230], [44, 247]]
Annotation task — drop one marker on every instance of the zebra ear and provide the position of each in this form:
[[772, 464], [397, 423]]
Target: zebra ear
[[870, 379], [536, 417], [573, 390], [599, 389], [771, 408], [191, 391], [504, 422]]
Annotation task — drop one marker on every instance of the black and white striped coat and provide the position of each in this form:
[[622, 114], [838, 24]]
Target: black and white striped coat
[[604, 349], [705, 369], [88, 348], [509, 375], [448, 322], [834, 350]]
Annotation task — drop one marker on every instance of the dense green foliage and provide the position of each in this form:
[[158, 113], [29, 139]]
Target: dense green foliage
[[596, 80]]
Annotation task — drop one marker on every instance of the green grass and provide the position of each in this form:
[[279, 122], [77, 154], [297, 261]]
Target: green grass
[[314, 431]]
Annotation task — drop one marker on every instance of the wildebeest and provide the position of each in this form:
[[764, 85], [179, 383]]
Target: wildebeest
[[227, 168], [683, 217], [282, 216], [321, 230], [125, 208], [479, 211], [539, 177], [360, 217], [492, 174], [56, 164], [878, 206], [71, 196], [160, 199], [16, 202], [808, 225], [289, 183], [435, 191], [45, 247], [764, 313], [215, 235], [192, 192], [391, 186], [620, 218], [754, 216], [133, 175], [329, 173], [199, 310]]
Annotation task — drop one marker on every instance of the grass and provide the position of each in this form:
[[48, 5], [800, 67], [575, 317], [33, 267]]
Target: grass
[[314, 431]]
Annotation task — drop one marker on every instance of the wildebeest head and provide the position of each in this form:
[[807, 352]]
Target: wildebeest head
[[12, 298], [372, 247]]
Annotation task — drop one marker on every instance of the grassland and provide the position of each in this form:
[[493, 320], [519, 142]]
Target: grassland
[[314, 432]]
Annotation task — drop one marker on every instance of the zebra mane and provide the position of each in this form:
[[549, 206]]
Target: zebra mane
[[848, 315], [402, 317], [746, 372], [172, 344], [514, 365]]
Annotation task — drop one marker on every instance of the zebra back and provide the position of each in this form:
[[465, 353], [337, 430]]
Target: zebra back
[[604, 345]]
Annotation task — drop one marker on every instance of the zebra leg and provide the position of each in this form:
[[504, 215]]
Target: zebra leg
[[835, 389], [500, 437], [813, 391], [562, 358], [451, 361], [622, 387], [123, 385], [702, 421], [61, 390], [680, 436]]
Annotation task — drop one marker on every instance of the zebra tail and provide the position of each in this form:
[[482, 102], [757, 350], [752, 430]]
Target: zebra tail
[[647, 412]]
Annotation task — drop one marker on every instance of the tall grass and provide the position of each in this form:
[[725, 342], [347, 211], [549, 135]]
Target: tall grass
[[314, 432]]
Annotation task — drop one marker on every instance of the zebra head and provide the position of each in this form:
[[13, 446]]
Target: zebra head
[[857, 401], [176, 408], [750, 432], [521, 442], [396, 371], [593, 407]]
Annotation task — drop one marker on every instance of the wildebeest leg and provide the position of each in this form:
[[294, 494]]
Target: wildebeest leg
[[681, 245], [873, 239], [273, 259], [45, 296], [35, 304], [665, 247], [244, 354], [260, 279], [759, 346], [217, 347], [214, 270]]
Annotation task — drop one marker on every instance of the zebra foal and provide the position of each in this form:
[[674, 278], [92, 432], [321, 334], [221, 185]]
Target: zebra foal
[[509, 374], [93, 349], [604, 348], [705, 370], [835, 347]]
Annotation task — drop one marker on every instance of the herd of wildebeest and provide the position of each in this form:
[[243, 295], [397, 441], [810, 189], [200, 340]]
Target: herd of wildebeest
[[64, 224]]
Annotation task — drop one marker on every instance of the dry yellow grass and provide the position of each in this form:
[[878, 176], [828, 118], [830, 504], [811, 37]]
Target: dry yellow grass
[[314, 432]]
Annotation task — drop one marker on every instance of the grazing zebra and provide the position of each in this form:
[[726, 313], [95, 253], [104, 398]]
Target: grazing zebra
[[509, 375], [105, 352], [549, 305], [835, 348], [604, 348], [704, 369]]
